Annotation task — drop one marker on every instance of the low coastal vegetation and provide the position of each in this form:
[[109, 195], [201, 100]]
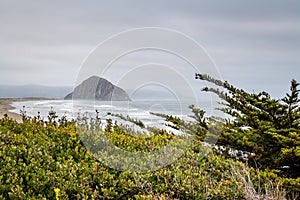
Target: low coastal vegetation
[[49, 160]]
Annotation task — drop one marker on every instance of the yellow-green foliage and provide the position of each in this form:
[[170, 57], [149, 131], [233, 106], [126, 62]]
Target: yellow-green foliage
[[48, 161]]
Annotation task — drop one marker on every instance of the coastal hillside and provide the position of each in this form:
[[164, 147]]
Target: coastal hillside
[[57, 158]]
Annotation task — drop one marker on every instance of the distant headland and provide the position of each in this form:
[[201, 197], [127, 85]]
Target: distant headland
[[97, 88]]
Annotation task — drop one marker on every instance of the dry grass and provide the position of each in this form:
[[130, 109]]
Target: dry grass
[[267, 191]]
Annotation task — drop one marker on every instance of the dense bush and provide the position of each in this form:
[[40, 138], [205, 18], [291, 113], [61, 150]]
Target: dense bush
[[40, 160]]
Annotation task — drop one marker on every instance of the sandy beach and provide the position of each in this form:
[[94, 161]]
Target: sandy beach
[[5, 106]]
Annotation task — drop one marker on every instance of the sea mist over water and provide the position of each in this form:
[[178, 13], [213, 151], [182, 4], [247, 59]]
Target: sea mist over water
[[38, 91]]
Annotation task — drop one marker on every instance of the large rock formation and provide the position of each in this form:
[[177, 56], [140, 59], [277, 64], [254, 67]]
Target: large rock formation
[[96, 88]]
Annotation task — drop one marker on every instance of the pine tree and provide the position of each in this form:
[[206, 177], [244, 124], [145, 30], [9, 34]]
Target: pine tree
[[267, 127]]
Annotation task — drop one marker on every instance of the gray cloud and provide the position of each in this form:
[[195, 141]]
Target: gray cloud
[[256, 44]]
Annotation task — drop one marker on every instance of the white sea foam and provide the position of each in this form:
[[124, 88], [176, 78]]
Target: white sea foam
[[139, 110]]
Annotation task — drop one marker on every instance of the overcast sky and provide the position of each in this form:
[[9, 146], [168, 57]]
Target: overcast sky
[[255, 44]]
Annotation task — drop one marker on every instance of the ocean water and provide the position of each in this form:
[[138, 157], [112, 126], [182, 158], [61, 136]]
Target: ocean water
[[139, 109]]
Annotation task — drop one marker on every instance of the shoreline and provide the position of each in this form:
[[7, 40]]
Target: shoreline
[[5, 106]]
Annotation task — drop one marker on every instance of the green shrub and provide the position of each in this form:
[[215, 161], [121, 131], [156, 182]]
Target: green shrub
[[40, 160]]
